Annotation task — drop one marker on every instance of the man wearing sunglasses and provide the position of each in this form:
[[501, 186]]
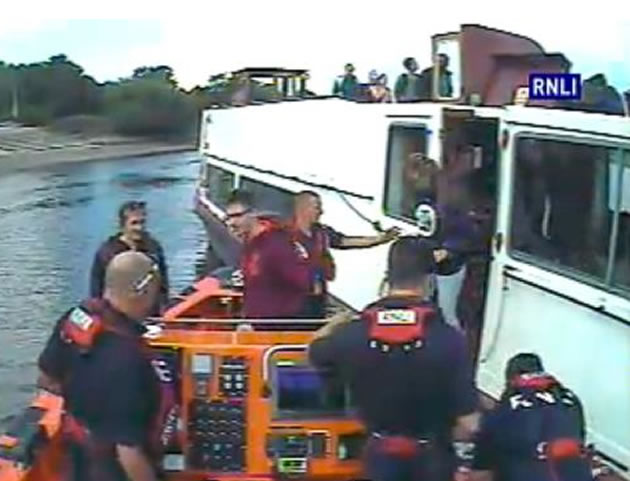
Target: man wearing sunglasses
[[132, 217], [98, 361], [276, 272]]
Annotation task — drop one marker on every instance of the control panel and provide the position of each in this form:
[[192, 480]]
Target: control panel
[[217, 435], [217, 417], [242, 406], [233, 377]]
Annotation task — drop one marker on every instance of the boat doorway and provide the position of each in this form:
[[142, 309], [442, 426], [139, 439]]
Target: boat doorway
[[470, 166]]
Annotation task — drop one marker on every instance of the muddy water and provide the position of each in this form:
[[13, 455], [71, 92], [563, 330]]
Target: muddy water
[[51, 223]]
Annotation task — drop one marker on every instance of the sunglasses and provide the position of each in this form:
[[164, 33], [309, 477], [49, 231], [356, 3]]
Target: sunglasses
[[235, 215], [142, 283]]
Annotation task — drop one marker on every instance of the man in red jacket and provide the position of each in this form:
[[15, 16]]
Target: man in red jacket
[[276, 268]]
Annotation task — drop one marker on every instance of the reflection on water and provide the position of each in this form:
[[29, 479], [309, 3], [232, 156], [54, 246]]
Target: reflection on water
[[52, 222]]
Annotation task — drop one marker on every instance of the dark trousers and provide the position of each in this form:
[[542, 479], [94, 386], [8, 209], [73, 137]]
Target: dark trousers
[[428, 464], [569, 470]]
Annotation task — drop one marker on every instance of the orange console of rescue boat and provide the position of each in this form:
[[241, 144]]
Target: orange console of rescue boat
[[240, 402]]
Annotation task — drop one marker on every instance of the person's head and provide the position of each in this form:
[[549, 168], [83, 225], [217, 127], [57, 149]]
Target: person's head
[[132, 217], [382, 80], [409, 263], [240, 215], [520, 95], [349, 69], [443, 60], [307, 207], [410, 64], [523, 363], [373, 76], [418, 167], [132, 281]]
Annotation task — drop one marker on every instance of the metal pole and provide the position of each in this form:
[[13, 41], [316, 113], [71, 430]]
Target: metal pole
[[15, 108]]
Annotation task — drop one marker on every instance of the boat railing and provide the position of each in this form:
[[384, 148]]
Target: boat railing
[[233, 324]]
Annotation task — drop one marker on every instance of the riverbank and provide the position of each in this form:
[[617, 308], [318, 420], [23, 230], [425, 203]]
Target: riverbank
[[26, 148]]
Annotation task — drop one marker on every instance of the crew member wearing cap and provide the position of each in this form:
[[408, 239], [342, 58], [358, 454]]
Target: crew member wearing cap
[[276, 269], [535, 433], [132, 218], [318, 239], [96, 360], [408, 373]]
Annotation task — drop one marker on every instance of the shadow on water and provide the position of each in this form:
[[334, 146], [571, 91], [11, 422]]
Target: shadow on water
[[135, 180], [68, 185], [47, 203], [53, 221]]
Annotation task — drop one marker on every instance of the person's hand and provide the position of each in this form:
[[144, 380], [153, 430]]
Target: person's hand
[[439, 255], [332, 323], [390, 234]]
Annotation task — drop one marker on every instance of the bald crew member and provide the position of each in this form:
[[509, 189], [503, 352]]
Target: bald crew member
[[112, 395], [317, 239]]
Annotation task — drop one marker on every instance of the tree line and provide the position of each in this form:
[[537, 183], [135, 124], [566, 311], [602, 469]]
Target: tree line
[[58, 92]]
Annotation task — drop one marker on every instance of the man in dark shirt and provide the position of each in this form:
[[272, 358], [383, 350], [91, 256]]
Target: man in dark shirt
[[408, 373], [318, 239], [537, 431], [445, 77], [96, 360], [275, 268], [411, 86], [132, 217]]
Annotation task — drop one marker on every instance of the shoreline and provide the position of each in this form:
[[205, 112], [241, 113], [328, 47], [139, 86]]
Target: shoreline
[[24, 161]]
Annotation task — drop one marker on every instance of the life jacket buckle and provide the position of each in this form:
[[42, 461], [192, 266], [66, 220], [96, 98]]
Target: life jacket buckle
[[559, 449]]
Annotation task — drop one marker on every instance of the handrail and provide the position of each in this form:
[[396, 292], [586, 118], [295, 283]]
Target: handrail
[[199, 320]]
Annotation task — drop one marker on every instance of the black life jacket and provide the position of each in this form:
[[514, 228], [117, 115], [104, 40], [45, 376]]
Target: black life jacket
[[82, 328], [559, 447]]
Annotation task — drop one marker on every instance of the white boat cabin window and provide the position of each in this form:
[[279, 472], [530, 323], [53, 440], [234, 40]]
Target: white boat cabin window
[[219, 184], [269, 198], [408, 176], [564, 208], [620, 192]]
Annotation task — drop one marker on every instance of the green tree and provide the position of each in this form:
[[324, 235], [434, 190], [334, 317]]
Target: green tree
[[149, 107], [161, 73]]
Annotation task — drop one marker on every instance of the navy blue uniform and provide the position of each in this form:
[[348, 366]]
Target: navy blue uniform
[[533, 434], [111, 391], [414, 394]]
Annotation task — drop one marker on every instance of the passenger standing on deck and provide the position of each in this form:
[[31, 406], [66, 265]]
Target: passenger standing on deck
[[537, 431], [410, 86], [132, 218], [318, 239], [276, 269], [408, 373], [346, 85], [96, 360]]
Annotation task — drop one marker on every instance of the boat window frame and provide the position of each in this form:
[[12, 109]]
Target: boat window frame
[[606, 283], [209, 167], [248, 178], [392, 125]]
